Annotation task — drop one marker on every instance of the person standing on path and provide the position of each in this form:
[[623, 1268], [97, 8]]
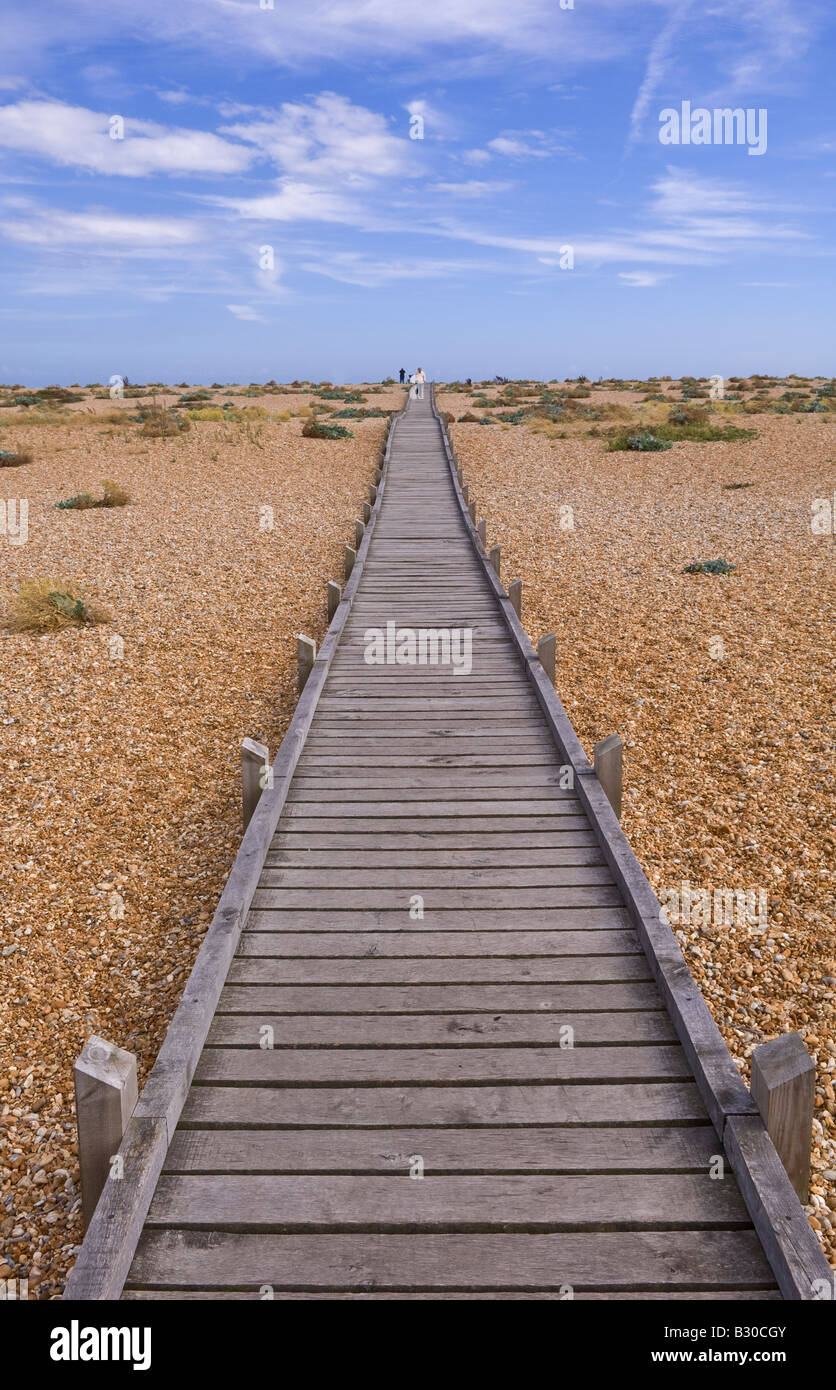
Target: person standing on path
[[420, 378], [403, 375]]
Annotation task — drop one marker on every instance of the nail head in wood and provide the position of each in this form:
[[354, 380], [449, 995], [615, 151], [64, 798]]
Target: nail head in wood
[[515, 595], [350, 557], [784, 1089], [305, 658], [607, 761], [334, 596], [547, 652], [105, 1096]]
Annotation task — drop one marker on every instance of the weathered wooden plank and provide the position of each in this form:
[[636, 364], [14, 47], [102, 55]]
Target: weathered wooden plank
[[438, 943], [599, 894], [594, 1149], [484, 796], [802, 1272], [257, 1107], [502, 919], [419, 825], [603, 1260], [420, 999], [571, 848], [438, 1030], [359, 838], [524, 1202], [427, 970], [579, 867], [580, 1295], [428, 1066], [111, 1237]]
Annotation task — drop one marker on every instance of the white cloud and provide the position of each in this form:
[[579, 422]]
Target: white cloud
[[352, 268], [682, 193], [476, 157], [512, 148], [296, 202], [103, 229], [328, 139], [640, 279], [661, 54], [245, 312], [75, 136], [472, 188]]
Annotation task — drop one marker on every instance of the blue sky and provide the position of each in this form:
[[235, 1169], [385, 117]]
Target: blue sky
[[289, 128]]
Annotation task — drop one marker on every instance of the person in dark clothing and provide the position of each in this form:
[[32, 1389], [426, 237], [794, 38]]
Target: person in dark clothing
[[403, 375]]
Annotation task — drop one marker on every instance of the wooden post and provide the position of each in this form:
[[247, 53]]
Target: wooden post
[[515, 595], [784, 1088], [377, 477], [255, 759], [482, 528], [472, 510], [459, 474], [350, 557], [373, 493], [547, 652], [305, 658], [466, 492], [606, 759], [367, 511], [334, 596], [359, 531], [495, 558], [105, 1095]]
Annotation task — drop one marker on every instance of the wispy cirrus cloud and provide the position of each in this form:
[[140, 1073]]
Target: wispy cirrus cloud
[[641, 279], [245, 312], [472, 188], [101, 228]]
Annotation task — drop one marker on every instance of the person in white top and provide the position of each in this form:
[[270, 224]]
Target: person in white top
[[419, 379]]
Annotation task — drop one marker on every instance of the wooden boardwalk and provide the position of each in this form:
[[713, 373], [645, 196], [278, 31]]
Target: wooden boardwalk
[[532, 1043]]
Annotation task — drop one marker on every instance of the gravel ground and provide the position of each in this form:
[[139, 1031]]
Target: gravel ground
[[119, 774], [728, 763]]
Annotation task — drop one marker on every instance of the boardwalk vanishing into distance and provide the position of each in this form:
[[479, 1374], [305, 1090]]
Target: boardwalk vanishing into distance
[[438, 1042]]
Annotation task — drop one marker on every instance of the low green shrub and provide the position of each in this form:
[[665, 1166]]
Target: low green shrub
[[314, 430], [709, 567]]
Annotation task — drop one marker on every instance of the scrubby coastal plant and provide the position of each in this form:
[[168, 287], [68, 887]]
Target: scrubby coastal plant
[[14, 458], [112, 496], [314, 430], [709, 567], [49, 605]]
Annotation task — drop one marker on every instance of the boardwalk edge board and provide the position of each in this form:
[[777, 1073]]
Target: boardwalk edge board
[[790, 1245], [110, 1241]]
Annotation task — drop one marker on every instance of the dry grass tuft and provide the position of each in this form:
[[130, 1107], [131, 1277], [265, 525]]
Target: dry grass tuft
[[49, 605], [159, 422], [113, 495]]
